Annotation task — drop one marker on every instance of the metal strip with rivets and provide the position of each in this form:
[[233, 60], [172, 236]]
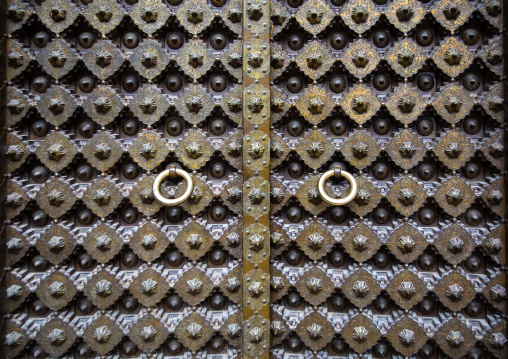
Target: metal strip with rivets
[[256, 188]]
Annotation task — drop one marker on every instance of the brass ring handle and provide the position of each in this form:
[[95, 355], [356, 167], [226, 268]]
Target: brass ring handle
[[174, 201], [337, 201]]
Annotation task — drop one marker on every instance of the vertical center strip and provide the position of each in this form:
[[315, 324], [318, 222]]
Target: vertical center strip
[[256, 187]]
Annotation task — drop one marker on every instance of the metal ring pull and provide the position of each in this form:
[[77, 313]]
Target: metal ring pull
[[172, 172], [337, 201]]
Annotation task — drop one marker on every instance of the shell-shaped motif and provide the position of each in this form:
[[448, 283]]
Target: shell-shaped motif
[[56, 289], [407, 149], [455, 245], [14, 200], [315, 331], [102, 197], [234, 149], [15, 107], [148, 333], [149, 287], [235, 105], [146, 196], [494, 57], [405, 58], [102, 334], [314, 61], [56, 106], [404, 13], [496, 104], [232, 285], [407, 337], [315, 285], [498, 293], [361, 288], [406, 244], [255, 59], [256, 196], [148, 151], [13, 339], [16, 12], [56, 152], [277, 105], [494, 8], [103, 288], [497, 340], [453, 104], [56, 198], [278, 17], [494, 245], [453, 56], [235, 60], [233, 240], [315, 149], [360, 14], [314, 16], [56, 244], [195, 16], [255, 104], [194, 331], [315, 241], [360, 104], [103, 243], [194, 241], [276, 149], [234, 330], [57, 58], [455, 339], [57, 337], [256, 289], [149, 242], [148, 105], [14, 245], [360, 334], [316, 106], [454, 196], [495, 197], [233, 195], [360, 243], [194, 286], [102, 151], [102, 105], [277, 328], [195, 59], [360, 150], [360, 59], [406, 104], [451, 11], [149, 14], [256, 242], [496, 149], [255, 11], [277, 240], [194, 150], [194, 104], [453, 150], [14, 292], [276, 283], [314, 196], [256, 335], [406, 196], [149, 60], [256, 150], [196, 195], [104, 14], [103, 58], [407, 290], [58, 13], [276, 195], [455, 292]]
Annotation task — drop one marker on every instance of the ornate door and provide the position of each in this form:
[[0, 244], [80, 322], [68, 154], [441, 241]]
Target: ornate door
[[342, 190]]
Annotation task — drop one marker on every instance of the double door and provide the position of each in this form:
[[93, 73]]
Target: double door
[[254, 178]]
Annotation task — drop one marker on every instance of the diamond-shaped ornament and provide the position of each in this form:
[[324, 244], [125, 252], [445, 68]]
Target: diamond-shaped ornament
[[454, 150], [149, 105], [57, 15], [455, 291], [55, 198], [493, 103], [406, 149], [315, 331], [148, 333], [453, 103], [149, 15], [407, 337], [360, 149], [406, 243], [406, 195], [406, 104], [367, 197], [194, 331], [103, 243], [149, 287], [193, 241], [200, 197], [452, 57], [314, 60], [361, 242], [56, 290], [149, 150], [149, 59], [360, 104], [406, 289], [406, 57], [454, 196], [405, 14], [56, 152], [104, 59], [194, 150], [195, 105], [103, 15], [102, 151], [455, 244], [315, 105], [315, 149], [315, 240], [315, 286], [102, 335], [195, 15], [360, 15], [361, 333], [361, 288], [103, 289], [360, 58], [195, 59], [314, 16], [149, 242], [56, 337], [143, 198], [17, 59], [56, 105], [452, 14], [102, 197], [58, 58], [103, 105], [55, 244]]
